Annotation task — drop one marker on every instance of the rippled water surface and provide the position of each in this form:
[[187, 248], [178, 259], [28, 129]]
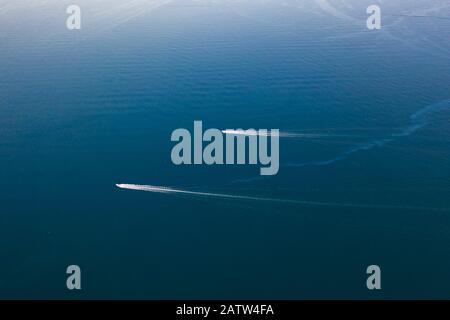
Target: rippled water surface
[[83, 110]]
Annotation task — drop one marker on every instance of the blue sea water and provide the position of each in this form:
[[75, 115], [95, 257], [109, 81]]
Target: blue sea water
[[83, 110]]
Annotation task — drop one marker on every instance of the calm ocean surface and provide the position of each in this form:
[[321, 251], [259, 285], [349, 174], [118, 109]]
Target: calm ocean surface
[[83, 110]]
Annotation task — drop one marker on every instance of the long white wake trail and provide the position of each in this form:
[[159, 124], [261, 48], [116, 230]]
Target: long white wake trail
[[159, 189], [280, 134], [168, 190]]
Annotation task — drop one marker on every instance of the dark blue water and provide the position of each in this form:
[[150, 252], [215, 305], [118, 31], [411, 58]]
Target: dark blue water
[[83, 110]]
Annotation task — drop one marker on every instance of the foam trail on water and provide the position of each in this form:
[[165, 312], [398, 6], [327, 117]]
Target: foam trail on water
[[273, 134], [168, 190], [159, 189], [417, 121]]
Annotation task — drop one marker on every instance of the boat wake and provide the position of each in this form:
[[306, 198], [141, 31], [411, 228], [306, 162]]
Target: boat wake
[[169, 190], [417, 121]]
